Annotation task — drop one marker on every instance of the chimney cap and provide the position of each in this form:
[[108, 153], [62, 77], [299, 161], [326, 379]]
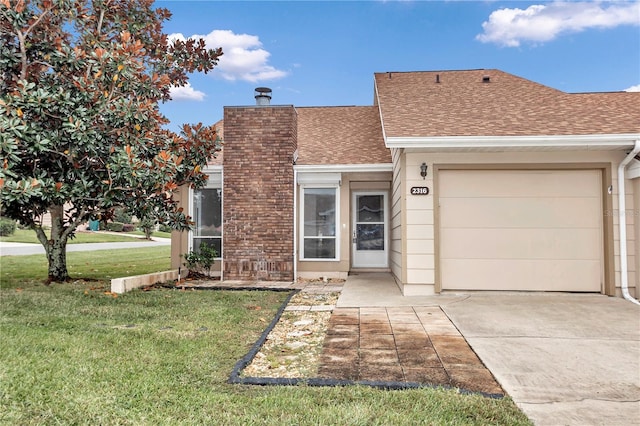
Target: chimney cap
[[263, 95]]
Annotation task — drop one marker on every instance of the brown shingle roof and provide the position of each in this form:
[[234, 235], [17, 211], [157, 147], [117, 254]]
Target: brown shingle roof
[[340, 135], [461, 104], [220, 130]]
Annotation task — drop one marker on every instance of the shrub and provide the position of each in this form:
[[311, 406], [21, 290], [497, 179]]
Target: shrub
[[128, 227], [147, 226], [7, 227], [115, 226], [164, 228], [121, 215], [199, 262]]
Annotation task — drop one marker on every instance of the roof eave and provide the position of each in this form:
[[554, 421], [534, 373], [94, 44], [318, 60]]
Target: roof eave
[[345, 168], [609, 141]]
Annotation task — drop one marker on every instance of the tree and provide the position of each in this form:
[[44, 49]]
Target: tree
[[80, 126]]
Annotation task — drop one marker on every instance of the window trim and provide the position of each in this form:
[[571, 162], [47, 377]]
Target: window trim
[[213, 182], [301, 237]]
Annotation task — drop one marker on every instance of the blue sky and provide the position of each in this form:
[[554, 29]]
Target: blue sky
[[325, 53]]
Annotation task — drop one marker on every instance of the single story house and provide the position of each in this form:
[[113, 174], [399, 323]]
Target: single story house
[[451, 181]]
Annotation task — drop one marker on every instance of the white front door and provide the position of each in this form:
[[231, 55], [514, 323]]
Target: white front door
[[369, 230]]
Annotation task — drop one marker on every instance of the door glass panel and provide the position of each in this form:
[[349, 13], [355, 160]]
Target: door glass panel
[[370, 208], [370, 237]]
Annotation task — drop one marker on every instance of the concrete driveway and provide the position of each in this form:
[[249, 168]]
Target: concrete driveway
[[565, 359]]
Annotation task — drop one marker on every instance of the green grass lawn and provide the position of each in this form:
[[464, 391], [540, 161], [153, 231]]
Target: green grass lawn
[[15, 271], [158, 234], [72, 354]]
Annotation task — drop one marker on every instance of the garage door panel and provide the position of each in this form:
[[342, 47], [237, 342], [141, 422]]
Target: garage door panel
[[537, 183], [522, 275], [534, 230], [519, 212], [517, 243]]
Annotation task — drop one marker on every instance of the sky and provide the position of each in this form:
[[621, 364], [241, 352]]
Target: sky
[[324, 53]]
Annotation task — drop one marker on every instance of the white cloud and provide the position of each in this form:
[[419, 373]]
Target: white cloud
[[186, 93], [635, 88], [243, 56], [541, 23]]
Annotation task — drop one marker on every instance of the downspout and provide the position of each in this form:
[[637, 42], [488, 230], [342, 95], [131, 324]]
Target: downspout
[[295, 227], [622, 223]]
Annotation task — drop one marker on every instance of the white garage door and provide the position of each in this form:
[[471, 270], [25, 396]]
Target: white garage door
[[536, 230]]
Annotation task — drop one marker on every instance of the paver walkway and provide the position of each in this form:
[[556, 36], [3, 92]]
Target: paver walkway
[[401, 344]]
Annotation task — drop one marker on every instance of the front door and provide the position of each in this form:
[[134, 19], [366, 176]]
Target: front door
[[369, 230]]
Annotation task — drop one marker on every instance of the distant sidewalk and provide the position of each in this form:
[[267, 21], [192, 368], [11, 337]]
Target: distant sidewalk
[[22, 249]]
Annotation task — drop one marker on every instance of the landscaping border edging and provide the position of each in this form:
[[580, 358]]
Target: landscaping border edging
[[124, 284]]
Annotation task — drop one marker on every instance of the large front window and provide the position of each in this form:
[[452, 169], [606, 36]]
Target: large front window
[[207, 214], [319, 229]]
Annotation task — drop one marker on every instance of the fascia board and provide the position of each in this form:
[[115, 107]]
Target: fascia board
[[344, 168], [545, 141]]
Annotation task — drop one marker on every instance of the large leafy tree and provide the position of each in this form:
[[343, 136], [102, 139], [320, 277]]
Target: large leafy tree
[[80, 127]]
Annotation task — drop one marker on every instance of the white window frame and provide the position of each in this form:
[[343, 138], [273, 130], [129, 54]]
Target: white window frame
[[213, 182], [336, 188]]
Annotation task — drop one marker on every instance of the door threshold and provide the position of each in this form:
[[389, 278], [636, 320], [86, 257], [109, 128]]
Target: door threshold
[[354, 271]]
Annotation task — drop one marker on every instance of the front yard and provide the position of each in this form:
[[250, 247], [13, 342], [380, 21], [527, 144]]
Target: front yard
[[75, 354]]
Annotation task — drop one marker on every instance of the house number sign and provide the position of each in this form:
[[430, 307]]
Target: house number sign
[[419, 190]]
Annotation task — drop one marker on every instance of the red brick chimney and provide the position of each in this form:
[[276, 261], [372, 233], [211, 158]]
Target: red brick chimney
[[259, 142]]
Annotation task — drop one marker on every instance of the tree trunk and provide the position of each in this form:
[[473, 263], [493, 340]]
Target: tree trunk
[[56, 246], [57, 258]]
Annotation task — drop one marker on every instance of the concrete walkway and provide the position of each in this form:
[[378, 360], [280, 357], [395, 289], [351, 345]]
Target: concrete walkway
[[565, 359]]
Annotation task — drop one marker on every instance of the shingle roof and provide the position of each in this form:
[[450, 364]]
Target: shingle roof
[[413, 104], [220, 130], [340, 135]]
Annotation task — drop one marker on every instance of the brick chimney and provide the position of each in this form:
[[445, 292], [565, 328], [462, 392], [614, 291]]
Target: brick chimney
[[258, 190]]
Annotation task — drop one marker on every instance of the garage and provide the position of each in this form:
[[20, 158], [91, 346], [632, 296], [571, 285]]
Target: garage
[[523, 230]]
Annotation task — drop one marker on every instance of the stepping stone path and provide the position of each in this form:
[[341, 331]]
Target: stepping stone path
[[401, 344]]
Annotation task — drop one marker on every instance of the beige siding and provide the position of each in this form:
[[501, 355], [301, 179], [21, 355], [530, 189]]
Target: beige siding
[[397, 210]]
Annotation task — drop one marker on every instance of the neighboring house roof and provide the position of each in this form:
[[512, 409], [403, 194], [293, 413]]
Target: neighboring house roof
[[340, 135], [220, 130], [461, 103]]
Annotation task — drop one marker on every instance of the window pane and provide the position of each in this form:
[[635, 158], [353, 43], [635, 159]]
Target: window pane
[[319, 212], [319, 248], [370, 208], [370, 237], [207, 212], [216, 243]]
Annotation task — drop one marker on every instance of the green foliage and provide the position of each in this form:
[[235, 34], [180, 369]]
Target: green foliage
[[164, 228], [147, 226], [199, 262], [121, 215], [115, 226], [80, 127], [7, 227]]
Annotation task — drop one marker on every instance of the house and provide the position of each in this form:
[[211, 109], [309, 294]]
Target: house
[[451, 180]]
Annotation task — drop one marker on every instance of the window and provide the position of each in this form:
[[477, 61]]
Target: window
[[207, 215], [319, 228]]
